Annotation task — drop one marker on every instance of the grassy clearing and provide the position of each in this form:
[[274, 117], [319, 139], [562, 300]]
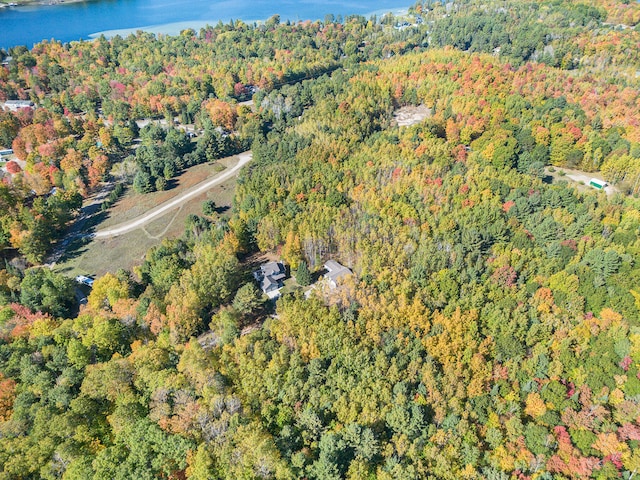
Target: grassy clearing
[[132, 204], [290, 286], [125, 251], [577, 178]]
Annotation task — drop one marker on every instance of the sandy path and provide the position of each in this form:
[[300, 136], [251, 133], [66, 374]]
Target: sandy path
[[160, 210]]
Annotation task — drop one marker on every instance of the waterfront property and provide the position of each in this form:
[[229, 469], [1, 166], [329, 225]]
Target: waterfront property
[[84, 20]]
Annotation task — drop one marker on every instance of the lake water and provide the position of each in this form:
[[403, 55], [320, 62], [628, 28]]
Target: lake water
[[74, 21]]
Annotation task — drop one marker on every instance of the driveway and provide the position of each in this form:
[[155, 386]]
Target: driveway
[[160, 210]]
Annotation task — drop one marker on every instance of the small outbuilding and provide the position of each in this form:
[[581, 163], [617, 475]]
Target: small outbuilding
[[84, 280], [598, 184]]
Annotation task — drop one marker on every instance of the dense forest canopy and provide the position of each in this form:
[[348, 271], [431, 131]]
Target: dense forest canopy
[[490, 329]]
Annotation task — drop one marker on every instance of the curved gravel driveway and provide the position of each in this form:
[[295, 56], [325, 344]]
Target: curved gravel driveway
[[194, 191]]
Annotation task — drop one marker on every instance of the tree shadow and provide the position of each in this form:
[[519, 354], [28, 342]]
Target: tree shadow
[[317, 275], [75, 247], [171, 184], [92, 209], [95, 220]]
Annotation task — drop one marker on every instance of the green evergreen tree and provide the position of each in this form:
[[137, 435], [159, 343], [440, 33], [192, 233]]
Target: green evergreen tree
[[303, 275]]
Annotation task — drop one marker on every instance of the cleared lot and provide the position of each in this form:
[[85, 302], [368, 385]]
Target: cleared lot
[[579, 177], [101, 255]]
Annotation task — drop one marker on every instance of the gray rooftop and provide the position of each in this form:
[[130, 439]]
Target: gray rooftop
[[17, 103], [336, 271], [267, 282], [272, 268], [270, 275], [332, 266]]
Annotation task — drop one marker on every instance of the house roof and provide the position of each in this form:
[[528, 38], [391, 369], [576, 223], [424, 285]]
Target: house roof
[[270, 275], [332, 265], [272, 268], [336, 271], [267, 282], [26, 103]]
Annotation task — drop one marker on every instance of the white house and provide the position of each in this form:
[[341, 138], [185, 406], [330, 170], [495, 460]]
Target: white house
[[15, 105], [335, 273]]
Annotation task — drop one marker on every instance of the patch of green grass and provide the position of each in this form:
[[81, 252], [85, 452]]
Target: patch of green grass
[[131, 205], [290, 286], [106, 255], [97, 257]]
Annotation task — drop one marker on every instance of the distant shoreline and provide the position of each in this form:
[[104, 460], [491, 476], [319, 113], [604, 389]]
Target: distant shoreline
[[174, 28], [30, 22], [46, 3]]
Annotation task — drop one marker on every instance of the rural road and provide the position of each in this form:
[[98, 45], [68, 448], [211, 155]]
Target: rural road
[[196, 190]]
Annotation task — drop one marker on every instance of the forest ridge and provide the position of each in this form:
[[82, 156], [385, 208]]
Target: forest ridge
[[490, 329]]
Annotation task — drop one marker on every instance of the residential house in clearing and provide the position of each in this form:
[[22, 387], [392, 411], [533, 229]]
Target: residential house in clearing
[[335, 273], [270, 277]]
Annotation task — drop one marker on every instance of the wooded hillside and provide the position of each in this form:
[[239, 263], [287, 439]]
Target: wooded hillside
[[490, 329]]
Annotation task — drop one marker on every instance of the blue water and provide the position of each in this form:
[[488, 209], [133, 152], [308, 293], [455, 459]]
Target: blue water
[[65, 22]]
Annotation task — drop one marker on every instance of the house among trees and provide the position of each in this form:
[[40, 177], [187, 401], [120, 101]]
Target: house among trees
[[335, 273], [270, 277], [15, 105]]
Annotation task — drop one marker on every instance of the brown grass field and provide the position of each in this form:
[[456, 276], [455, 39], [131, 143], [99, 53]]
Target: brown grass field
[[100, 256]]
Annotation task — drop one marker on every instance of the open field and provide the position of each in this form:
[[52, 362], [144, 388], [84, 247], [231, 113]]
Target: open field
[[132, 205], [183, 195], [98, 256]]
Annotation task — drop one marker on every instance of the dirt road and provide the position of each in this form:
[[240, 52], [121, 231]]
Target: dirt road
[[196, 190]]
